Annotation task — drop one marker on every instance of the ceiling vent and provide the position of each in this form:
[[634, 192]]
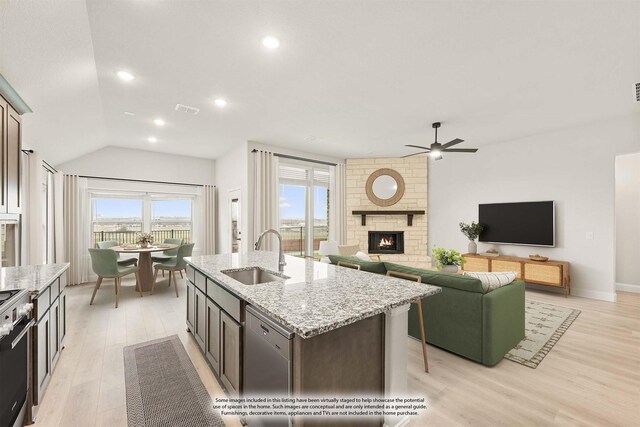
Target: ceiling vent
[[187, 109], [637, 92]]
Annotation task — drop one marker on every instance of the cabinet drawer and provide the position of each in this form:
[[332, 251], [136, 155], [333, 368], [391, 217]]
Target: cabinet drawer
[[225, 299], [191, 273], [546, 274], [41, 304], [476, 264], [200, 281], [501, 265], [63, 281]]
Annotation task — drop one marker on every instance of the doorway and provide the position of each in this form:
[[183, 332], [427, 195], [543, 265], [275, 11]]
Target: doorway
[[235, 218]]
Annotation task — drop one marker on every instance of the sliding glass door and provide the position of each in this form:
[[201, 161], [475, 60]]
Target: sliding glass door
[[304, 207]]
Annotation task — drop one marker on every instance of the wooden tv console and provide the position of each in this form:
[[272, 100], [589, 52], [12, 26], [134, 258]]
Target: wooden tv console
[[547, 273]]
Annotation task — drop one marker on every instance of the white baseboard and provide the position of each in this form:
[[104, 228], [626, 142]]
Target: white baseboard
[[627, 287], [585, 293]]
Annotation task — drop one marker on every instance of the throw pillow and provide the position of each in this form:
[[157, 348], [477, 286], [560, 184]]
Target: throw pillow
[[362, 256], [348, 250], [491, 281]]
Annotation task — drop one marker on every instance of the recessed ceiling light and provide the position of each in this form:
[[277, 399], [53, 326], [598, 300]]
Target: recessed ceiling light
[[152, 139], [270, 42], [126, 76], [220, 102], [129, 113], [159, 122]]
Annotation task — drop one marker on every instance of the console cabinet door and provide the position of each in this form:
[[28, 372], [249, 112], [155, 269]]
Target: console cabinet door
[[191, 306], [14, 137], [200, 319], [42, 364], [230, 354], [54, 332], [212, 343]]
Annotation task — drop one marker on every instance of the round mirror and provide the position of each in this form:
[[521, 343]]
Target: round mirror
[[385, 187]]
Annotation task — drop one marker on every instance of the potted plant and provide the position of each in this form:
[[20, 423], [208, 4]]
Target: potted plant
[[447, 260], [144, 239], [472, 231]]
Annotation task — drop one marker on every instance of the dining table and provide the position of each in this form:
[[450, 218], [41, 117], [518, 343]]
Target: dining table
[[145, 265]]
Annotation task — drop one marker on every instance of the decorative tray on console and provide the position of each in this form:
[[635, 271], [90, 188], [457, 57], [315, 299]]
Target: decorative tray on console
[[537, 257]]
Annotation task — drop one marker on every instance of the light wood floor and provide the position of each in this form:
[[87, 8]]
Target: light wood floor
[[591, 377]]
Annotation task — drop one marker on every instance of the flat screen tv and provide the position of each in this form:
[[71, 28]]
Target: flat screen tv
[[523, 223]]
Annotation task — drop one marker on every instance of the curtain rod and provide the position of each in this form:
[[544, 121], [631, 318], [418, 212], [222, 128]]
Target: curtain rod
[[142, 180], [287, 156], [51, 168]]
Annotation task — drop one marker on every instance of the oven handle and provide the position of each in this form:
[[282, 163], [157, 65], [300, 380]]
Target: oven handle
[[22, 334]]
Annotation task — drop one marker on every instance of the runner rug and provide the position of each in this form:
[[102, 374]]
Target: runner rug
[[544, 325], [163, 387]]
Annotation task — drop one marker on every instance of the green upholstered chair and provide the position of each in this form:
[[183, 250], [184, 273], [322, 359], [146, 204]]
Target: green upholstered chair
[[105, 264], [169, 253], [176, 264], [121, 261]]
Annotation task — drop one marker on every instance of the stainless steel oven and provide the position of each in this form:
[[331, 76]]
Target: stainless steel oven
[[15, 326]]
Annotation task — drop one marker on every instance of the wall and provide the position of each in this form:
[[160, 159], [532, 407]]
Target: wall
[[231, 174], [574, 167], [127, 163], [628, 222], [414, 172]]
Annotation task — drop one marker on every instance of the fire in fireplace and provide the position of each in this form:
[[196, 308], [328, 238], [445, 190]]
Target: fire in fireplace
[[386, 242]]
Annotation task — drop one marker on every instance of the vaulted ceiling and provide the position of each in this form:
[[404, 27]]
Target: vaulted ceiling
[[351, 78]]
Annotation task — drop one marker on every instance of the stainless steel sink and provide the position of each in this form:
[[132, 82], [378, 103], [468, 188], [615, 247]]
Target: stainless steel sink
[[253, 276]]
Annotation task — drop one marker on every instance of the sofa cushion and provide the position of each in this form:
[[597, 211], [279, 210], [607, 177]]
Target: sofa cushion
[[493, 280], [439, 278], [370, 266]]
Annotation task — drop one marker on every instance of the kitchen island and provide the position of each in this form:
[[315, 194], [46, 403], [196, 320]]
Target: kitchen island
[[348, 327]]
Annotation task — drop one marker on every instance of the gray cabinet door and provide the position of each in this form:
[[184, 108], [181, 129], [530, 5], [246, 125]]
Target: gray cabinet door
[[200, 320], [212, 343], [63, 318], [3, 154], [191, 306], [230, 354], [42, 362], [14, 144], [54, 332]]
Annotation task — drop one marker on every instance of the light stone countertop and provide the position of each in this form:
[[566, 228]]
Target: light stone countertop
[[34, 278], [317, 297]]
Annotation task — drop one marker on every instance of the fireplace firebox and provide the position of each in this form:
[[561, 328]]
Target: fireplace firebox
[[386, 242]]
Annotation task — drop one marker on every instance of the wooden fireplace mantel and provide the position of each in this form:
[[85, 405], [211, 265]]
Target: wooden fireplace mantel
[[409, 214]]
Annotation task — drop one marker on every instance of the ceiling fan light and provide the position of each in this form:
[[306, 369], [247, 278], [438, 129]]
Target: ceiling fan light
[[435, 153]]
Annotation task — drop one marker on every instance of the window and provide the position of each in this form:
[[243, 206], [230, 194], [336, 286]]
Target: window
[[304, 207], [121, 218], [171, 219], [116, 219]]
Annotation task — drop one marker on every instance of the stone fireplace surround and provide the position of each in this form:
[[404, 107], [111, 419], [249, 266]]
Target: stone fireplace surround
[[414, 172]]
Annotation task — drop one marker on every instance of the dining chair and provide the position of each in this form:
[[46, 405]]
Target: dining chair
[[418, 303], [105, 264], [169, 253], [121, 261], [175, 264]]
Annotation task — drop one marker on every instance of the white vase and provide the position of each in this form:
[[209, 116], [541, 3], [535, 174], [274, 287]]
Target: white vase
[[450, 268], [144, 245], [473, 247]]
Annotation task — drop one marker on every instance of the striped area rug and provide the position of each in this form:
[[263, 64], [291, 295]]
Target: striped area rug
[[544, 325], [163, 387]]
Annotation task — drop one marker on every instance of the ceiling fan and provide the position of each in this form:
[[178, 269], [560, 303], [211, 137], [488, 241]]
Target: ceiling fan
[[436, 149]]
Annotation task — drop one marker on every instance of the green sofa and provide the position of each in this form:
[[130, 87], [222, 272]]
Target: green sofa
[[463, 318]]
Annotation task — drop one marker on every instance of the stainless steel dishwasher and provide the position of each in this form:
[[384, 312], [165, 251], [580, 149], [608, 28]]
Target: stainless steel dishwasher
[[268, 354]]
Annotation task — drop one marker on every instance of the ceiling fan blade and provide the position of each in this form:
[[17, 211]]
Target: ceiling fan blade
[[452, 142], [418, 146], [460, 150], [414, 154]]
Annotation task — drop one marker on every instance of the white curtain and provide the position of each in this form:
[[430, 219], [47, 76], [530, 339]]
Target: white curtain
[[338, 205], [266, 203], [58, 217], [208, 220], [77, 222]]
